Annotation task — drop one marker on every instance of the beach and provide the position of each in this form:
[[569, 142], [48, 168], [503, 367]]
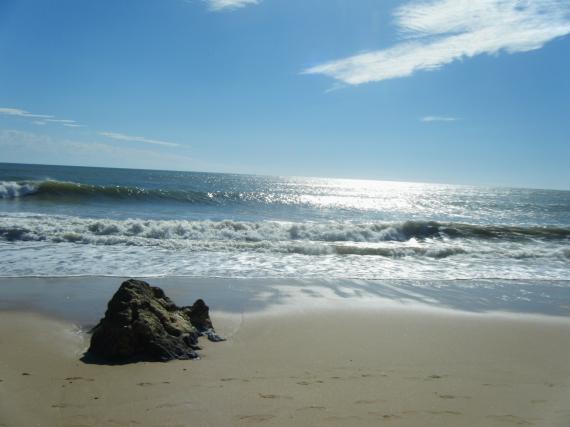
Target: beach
[[351, 360], [343, 302]]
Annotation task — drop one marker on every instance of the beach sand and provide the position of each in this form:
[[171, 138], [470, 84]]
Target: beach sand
[[304, 367]]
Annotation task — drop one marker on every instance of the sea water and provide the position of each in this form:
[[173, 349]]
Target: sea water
[[68, 221]]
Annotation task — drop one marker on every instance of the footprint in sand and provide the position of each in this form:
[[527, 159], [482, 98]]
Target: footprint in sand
[[146, 384], [79, 378], [66, 405], [339, 418], [436, 377], [243, 380], [511, 419], [309, 383], [385, 416], [273, 396], [122, 423], [450, 396], [368, 402], [312, 407], [173, 405], [391, 416], [258, 418], [550, 385], [444, 412]]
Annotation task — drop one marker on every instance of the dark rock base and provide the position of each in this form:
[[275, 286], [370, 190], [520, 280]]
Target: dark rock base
[[142, 324]]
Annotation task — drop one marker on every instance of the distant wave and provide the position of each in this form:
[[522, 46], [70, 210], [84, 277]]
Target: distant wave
[[74, 192], [61, 190]]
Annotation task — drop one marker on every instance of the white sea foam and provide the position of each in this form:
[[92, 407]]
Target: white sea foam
[[141, 232], [12, 189], [69, 259], [55, 245]]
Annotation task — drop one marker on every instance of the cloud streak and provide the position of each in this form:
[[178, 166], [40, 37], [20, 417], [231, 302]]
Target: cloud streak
[[38, 119], [438, 32], [63, 121], [123, 137], [16, 146], [431, 119], [44, 119], [22, 113], [221, 5]]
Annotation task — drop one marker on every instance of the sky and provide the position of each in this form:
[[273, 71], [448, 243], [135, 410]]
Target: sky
[[453, 91]]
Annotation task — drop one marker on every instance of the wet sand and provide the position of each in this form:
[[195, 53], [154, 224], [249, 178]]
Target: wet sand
[[302, 365]]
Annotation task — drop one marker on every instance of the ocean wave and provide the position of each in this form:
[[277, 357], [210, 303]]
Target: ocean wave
[[40, 227], [395, 240], [74, 192], [12, 189], [63, 190]]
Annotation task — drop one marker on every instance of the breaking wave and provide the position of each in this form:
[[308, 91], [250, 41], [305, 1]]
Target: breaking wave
[[405, 239], [12, 189]]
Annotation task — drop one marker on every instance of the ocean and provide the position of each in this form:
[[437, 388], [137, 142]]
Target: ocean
[[73, 221]]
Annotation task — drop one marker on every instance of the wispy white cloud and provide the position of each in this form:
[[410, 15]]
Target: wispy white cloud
[[429, 119], [19, 146], [123, 137], [438, 32], [219, 5], [22, 113], [38, 119], [43, 119], [60, 121]]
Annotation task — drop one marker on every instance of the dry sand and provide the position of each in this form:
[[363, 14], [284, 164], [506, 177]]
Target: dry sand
[[322, 368]]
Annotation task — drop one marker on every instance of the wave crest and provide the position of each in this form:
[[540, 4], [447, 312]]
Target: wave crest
[[64, 190], [45, 226], [396, 240], [13, 189]]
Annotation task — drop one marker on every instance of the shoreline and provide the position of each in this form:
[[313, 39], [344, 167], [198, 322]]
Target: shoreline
[[84, 299]]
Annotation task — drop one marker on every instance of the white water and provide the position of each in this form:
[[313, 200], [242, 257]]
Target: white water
[[12, 189], [33, 244]]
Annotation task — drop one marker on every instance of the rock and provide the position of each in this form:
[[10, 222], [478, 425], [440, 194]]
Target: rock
[[142, 323]]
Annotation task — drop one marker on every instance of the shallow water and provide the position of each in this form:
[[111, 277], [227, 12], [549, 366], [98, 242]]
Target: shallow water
[[84, 299]]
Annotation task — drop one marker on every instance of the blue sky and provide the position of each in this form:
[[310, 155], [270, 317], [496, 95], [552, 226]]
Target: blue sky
[[456, 91]]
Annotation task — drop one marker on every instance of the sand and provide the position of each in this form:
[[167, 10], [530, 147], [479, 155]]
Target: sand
[[304, 367]]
